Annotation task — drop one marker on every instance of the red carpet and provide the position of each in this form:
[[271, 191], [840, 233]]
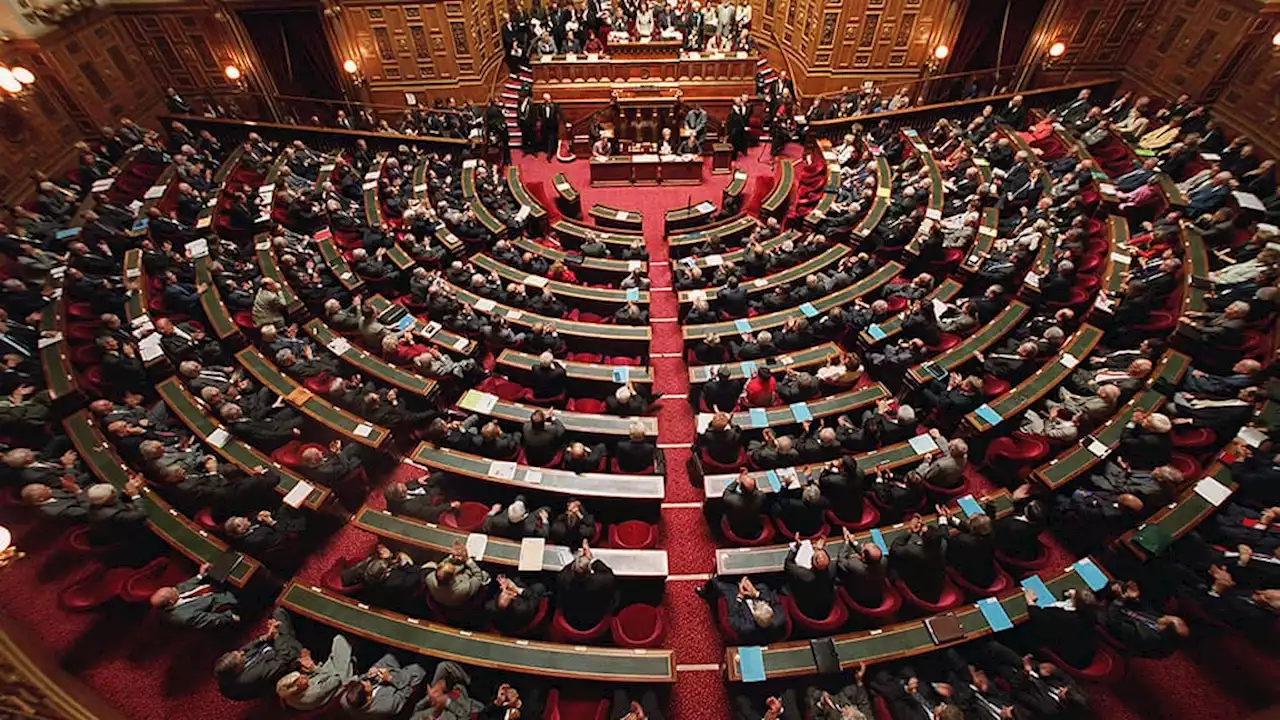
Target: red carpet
[[150, 672]]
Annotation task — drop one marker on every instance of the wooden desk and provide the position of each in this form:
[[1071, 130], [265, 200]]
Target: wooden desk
[[824, 406], [770, 558], [539, 479], [322, 411], [500, 551], [194, 414], [736, 185], [369, 364], [1195, 263], [599, 332], [514, 182], [578, 262], [573, 233], [266, 256], [135, 285], [769, 283], [884, 189], [937, 190], [608, 297], [441, 338], [174, 528], [774, 203], [1049, 376], [579, 422], [814, 356], [594, 372], [729, 232], [739, 255], [55, 361], [1080, 459], [508, 655], [899, 641], [888, 457], [889, 329], [689, 216], [337, 263], [983, 338], [768, 321], [567, 197], [1184, 515], [221, 322], [1171, 192], [606, 216]]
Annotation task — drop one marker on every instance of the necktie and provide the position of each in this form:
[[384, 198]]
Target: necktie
[[194, 594], [924, 704]]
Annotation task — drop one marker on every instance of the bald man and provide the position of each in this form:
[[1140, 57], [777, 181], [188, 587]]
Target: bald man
[[811, 583]]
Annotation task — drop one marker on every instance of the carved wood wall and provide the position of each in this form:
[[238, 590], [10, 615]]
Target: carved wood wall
[[1101, 36]]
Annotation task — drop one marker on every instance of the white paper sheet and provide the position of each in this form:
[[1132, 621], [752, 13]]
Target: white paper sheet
[[477, 543], [1213, 491], [503, 470], [298, 494], [922, 444], [804, 555], [531, 549], [363, 430], [218, 437]]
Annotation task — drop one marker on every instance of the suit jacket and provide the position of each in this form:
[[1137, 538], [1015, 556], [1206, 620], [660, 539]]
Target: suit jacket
[[327, 678], [62, 504], [213, 611], [388, 699], [812, 590], [467, 583], [973, 556], [584, 601], [265, 661]]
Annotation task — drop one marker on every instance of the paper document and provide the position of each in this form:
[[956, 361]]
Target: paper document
[[485, 305], [218, 437], [531, 549], [298, 495], [1068, 360], [198, 248], [339, 345], [363, 430], [503, 470], [476, 545], [1213, 491], [154, 192], [922, 444], [804, 555]]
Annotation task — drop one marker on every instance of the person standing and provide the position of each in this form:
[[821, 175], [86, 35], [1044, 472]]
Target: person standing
[[549, 120]]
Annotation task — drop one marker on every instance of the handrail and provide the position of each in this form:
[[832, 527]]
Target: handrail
[[887, 83], [316, 137]]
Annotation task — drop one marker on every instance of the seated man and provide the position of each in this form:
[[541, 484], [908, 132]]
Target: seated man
[[196, 603], [811, 584], [383, 690], [635, 453], [456, 581], [573, 526], [267, 532], [918, 558], [313, 685], [754, 612], [585, 590], [515, 605], [744, 506], [251, 671]]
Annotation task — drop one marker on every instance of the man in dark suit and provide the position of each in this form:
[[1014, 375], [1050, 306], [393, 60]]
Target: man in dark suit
[[55, 502], [547, 378], [918, 558], [971, 549], [811, 584], [542, 437], [515, 605], [421, 498], [267, 532], [252, 671], [549, 125], [636, 453], [196, 603], [722, 440], [585, 590], [264, 434], [744, 506], [330, 468]]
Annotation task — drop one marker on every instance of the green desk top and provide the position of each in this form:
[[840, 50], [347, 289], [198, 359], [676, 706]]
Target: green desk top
[[772, 320], [1042, 381], [895, 642], [737, 184], [946, 292], [937, 197], [443, 339], [59, 379], [808, 357], [979, 341], [172, 527], [825, 406], [737, 256], [1171, 191], [590, 263], [983, 242], [564, 188], [888, 457], [521, 193], [590, 423], [372, 202], [725, 229], [135, 283], [785, 179], [215, 310], [579, 291], [1176, 520], [317, 408], [633, 487], [629, 218], [371, 365], [1197, 265], [194, 415], [505, 654], [884, 187], [570, 228], [575, 370], [699, 212], [338, 263], [768, 283], [828, 198], [1118, 238], [770, 558], [595, 331], [500, 551], [266, 256]]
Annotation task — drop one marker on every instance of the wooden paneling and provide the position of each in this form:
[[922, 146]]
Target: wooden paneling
[[1186, 44], [437, 49], [1250, 98], [1101, 36], [828, 44], [88, 74], [186, 47]]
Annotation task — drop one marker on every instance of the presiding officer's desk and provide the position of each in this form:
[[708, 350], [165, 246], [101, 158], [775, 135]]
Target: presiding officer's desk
[[529, 478], [646, 169], [509, 655], [501, 551]]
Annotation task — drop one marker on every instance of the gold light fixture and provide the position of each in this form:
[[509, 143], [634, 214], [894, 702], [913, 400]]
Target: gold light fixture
[[1275, 41], [941, 52], [1057, 50], [234, 76], [15, 81], [352, 68]]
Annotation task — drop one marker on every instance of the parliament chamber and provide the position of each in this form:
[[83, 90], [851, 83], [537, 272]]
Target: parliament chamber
[[632, 360]]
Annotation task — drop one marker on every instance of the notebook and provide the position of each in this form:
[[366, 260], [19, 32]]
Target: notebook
[[994, 612], [1152, 538], [944, 628], [751, 663], [222, 567], [825, 656]]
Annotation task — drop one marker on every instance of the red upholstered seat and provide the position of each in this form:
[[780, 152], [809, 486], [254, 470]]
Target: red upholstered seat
[[1077, 296], [586, 405], [792, 535], [204, 518], [290, 454], [993, 387], [617, 470], [766, 535], [1160, 321], [244, 320], [563, 708], [633, 535], [882, 615], [937, 492], [80, 310], [637, 626], [533, 627], [1002, 584], [98, 588], [950, 597], [318, 383], [1024, 568], [553, 401], [332, 577], [562, 631], [85, 355], [75, 541], [829, 625], [143, 582], [870, 518], [1187, 465], [897, 303], [1107, 665], [585, 357], [711, 465], [469, 517], [554, 461], [946, 341], [1193, 438], [623, 360], [503, 388]]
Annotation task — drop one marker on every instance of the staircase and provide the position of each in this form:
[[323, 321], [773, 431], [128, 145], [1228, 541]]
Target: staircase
[[764, 75], [509, 99]]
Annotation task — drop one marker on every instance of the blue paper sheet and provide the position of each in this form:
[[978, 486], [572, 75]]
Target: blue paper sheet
[[405, 323], [621, 374], [801, 412], [748, 368], [775, 483], [1090, 573], [875, 332], [987, 415], [743, 326], [808, 309], [877, 537], [1044, 598], [759, 418], [68, 233], [633, 294], [751, 662], [969, 506], [994, 612], [141, 224]]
